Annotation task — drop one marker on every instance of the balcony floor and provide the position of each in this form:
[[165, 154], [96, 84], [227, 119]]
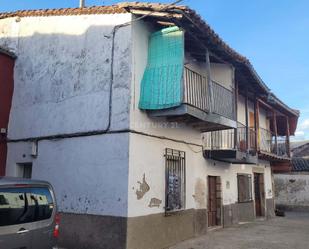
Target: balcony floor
[[231, 156], [195, 117]]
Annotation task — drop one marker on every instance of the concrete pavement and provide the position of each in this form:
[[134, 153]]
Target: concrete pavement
[[287, 232]]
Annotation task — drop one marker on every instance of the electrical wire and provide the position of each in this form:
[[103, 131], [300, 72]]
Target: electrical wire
[[113, 34]]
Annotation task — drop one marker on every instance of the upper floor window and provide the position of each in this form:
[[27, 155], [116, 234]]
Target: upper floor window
[[175, 180]]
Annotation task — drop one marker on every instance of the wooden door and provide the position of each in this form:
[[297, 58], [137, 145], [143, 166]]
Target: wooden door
[[259, 194], [214, 201]]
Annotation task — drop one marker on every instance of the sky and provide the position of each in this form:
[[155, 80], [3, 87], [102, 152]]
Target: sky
[[273, 35]]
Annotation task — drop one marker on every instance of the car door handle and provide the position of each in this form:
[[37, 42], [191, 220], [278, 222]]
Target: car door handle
[[22, 230]]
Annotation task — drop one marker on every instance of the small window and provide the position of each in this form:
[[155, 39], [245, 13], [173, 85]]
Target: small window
[[175, 180], [244, 182], [25, 170], [24, 205]]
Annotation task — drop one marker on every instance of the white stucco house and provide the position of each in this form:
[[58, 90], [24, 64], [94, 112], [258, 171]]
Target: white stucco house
[[151, 129]]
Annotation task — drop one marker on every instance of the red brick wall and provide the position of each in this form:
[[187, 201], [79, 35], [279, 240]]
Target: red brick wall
[[6, 92]]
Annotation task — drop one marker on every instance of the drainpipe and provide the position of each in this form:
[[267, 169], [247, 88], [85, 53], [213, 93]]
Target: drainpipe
[[81, 3]]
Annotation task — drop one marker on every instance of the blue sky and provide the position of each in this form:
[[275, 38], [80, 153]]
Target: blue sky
[[274, 35]]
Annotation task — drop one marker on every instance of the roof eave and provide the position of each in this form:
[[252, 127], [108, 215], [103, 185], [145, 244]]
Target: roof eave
[[7, 52]]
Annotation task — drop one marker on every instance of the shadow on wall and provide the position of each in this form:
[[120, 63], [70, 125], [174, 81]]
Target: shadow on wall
[[62, 82], [62, 86]]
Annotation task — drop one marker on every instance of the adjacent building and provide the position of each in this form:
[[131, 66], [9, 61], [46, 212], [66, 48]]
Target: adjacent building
[[151, 129], [6, 91], [292, 186]]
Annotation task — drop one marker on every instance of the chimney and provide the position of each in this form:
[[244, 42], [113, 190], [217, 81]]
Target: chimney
[[81, 3]]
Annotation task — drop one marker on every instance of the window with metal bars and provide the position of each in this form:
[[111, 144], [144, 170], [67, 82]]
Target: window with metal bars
[[244, 182], [175, 163]]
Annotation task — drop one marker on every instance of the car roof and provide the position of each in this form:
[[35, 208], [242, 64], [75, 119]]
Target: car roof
[[15, 180]]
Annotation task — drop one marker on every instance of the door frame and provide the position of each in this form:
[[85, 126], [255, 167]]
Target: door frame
[[258, 176], [218, 190]]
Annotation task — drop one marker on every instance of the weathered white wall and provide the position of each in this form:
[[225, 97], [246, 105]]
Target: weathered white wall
[[193, 64], [220, 73], [292, 190], [268, 181], [89, 174], [147, 153], [62, 74], [147, 158], [62, 79], [95, 174]]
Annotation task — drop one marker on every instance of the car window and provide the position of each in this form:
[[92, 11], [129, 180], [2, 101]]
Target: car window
[[23, 205], [41, 203]]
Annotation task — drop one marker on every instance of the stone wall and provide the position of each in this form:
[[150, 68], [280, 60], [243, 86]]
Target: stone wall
[[292, 191]]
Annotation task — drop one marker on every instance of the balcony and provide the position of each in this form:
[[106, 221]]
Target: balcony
[[205, 106], [272, 147], [231, 145]]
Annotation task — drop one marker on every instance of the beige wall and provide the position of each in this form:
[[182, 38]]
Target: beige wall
[[220, 73], [241, 113]]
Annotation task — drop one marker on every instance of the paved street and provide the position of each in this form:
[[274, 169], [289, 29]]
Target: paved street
[[287, 232]]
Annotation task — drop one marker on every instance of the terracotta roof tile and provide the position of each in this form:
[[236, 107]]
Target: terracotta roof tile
[[113, 9]]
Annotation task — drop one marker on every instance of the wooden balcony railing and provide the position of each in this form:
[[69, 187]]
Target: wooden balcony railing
[[223, 101], [268, 142], [197, 94], [225, 139], [196, 90]]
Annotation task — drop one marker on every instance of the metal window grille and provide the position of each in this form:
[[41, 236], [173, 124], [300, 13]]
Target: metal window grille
[[244, 182], [175, 180]]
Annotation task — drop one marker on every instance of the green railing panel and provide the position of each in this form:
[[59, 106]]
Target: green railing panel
[[161, 86]]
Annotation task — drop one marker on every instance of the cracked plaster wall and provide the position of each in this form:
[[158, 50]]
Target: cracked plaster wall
[[62, 79], [292, 189]]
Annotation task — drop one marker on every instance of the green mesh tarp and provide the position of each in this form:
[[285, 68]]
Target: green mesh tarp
[[161, 85]]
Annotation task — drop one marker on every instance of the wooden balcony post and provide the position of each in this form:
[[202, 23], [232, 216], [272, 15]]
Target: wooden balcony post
[[247, 121], [257, 123], [288, 137], [236, 112], [275, 131], [207, 60]]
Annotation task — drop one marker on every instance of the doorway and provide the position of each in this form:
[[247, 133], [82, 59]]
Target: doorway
[[24, 170], [259, 194], [214, 201]]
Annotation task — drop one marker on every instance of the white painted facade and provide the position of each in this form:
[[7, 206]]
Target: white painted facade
[[63, 71], [147, 153], [62, 78]]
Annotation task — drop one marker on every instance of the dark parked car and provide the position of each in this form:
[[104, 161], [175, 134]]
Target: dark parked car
[[28, 214]]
